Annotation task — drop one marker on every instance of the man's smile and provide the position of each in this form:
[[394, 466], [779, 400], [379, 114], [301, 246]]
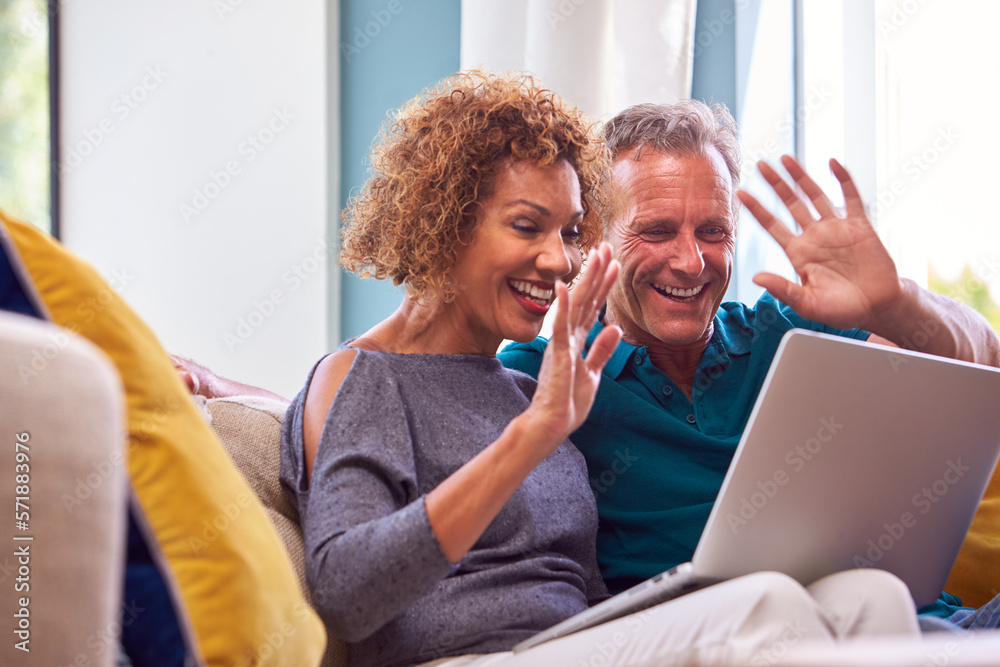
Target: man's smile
[[680, 294]]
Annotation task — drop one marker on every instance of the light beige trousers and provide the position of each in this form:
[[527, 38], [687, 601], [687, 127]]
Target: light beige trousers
[[753, 620]]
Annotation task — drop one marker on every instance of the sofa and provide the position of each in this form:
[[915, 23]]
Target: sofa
[[61, 589], [62, 416], [77, 519]]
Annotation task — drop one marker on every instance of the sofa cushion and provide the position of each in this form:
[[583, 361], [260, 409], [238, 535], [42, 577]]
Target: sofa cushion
[[235, 588], [975, 576], [249, 428]]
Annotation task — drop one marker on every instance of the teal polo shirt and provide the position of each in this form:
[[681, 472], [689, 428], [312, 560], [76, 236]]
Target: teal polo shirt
[[656, 460]]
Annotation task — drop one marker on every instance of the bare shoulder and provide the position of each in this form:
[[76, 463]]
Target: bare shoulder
[[326, 381]]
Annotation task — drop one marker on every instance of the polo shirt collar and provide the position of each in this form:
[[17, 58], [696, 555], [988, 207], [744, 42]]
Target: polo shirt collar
[[725, 344], [621, 355]]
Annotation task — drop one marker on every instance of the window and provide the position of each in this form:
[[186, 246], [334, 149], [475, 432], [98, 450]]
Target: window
[[25, 140], [909, 114]]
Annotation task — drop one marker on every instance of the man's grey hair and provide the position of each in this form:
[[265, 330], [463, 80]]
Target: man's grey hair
[[686, 128]]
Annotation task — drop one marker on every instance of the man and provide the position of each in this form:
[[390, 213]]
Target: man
[[679, 389]]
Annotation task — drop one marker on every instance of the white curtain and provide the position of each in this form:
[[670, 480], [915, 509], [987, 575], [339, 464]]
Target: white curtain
[[602, 55]]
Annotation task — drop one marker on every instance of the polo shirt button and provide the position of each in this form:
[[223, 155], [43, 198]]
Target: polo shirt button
[[691, 419], [668, 391]]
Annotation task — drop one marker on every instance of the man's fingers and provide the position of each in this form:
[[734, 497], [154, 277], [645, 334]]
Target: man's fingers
[[815, 193], [852, 198], [795, 205], [780, 288], [776, 228]]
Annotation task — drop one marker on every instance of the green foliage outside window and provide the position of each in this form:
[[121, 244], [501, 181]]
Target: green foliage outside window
[[24, 111], [970, 290]]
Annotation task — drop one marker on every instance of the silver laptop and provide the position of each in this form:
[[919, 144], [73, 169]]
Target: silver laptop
[[855, 455]]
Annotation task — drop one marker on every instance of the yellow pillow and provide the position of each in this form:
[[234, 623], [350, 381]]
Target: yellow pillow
[[236, 587], [976, 575]]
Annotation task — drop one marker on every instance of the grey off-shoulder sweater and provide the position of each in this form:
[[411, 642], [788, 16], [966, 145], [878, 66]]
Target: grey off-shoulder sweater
[[399, 425]]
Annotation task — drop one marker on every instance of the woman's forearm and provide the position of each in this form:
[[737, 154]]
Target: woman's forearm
[[463, 505]]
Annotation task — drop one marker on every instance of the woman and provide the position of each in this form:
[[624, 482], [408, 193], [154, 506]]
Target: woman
[[444, 512]]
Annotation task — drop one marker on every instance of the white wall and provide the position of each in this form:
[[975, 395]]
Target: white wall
[[196, 175]]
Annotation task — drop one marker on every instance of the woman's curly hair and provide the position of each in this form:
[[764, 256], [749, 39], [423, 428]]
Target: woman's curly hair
[[439, 157]]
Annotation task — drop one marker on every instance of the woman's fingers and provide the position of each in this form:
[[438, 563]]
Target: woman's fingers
[[603, 347], [560, 326], [584, 290], [575, 314], [611, 270], [589, 294], [567, 380]]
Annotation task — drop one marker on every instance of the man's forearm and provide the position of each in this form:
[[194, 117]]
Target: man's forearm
[[203, 382], [222, 388], [927, 322]]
